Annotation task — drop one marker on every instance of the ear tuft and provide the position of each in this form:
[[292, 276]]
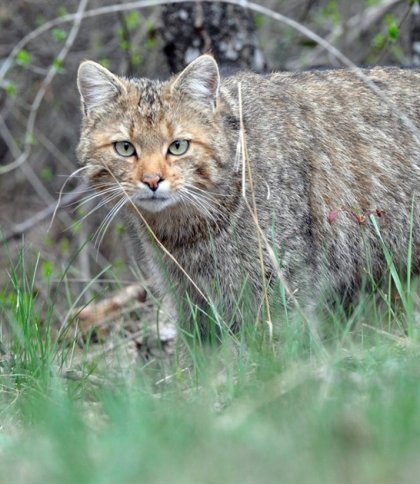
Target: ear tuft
[[200, 80], [97, 85]]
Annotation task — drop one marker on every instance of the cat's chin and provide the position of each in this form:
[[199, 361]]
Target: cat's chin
[[155, 205]]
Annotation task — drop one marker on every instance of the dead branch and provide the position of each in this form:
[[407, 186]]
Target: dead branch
[[112, 307], [153, 336]]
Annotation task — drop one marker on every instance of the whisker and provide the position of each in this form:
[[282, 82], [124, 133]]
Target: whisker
[[65, 175], [99, 205], [91, 188], [205, 196], [213, 205], [60, 194], [94, 195], [199, 204], [107, 222], [213, 194]]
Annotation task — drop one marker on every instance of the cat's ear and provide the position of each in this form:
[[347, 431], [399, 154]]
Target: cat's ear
[[97, 85], [200, 80]]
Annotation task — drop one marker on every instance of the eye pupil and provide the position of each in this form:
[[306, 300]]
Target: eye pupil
[[179, 147], [124, 148]]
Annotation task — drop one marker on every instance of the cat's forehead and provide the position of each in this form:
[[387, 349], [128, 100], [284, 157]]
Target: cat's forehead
[[150, 100]]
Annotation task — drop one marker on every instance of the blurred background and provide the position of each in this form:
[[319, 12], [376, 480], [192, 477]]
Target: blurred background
[[41, 46]]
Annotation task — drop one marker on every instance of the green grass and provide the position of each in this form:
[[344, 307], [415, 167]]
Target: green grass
[[257, 411]]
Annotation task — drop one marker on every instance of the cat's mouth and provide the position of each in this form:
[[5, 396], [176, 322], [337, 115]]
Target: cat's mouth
[[156, 199], [155, 203]]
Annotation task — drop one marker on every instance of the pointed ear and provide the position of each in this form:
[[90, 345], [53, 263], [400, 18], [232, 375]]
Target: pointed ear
[[200, 80], [97, 85]]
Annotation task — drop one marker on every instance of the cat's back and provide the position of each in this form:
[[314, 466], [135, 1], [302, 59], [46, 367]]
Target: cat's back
[[336, 113], [324, 85], [338, 99]]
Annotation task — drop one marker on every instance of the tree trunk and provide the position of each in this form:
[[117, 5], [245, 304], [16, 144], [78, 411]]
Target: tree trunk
[[225, 31], [415, 34]]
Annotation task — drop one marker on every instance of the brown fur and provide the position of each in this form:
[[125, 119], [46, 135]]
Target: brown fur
[[318, 143]]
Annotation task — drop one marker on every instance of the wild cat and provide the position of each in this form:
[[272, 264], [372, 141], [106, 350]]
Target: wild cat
[[320, 155]]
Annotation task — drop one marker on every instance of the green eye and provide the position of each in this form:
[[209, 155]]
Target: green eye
[[124, 148], [179, 147]]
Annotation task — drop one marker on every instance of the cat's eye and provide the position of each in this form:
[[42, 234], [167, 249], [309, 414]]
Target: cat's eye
[[124, 148], [179, 147]]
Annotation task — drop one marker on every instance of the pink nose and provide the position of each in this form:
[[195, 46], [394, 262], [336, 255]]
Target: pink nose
[[152, 180]]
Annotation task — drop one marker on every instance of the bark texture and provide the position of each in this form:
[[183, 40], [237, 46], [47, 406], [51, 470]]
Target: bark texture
[[225, 31], [415, 34]]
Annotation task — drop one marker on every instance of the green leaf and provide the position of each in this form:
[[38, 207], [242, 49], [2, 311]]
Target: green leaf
[[10, 88], [133, 20], [136, 58], [49, 241], [59, 34], [47, 269], [378, 41], [124, 45], [393, 32], [151, 43], [76, 227], [119, 266], [23, 58], [332, 12], [65, 245], [58, 65], [39, 20], [31, 140], [47, 174], [259, 20], [120, 229], [62, 11], [104, 61]]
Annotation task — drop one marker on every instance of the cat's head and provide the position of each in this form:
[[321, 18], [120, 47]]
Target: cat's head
[[161, 143]]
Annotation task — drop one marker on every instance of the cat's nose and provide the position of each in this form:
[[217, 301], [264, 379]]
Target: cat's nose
[[152, 180]]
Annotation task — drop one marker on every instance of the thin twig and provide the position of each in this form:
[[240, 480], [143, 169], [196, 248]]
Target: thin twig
[[52, 71], [357, 25], [22, 227]]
